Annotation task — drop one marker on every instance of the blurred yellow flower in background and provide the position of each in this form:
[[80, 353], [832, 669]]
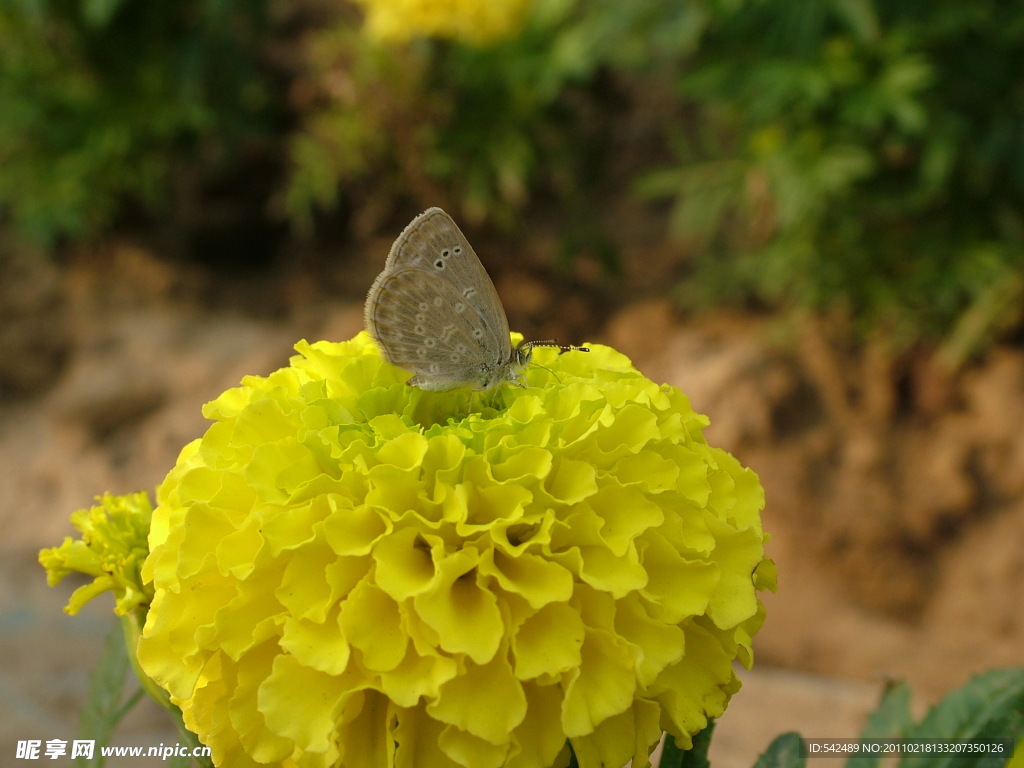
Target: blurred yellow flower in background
[[353, 572], [472, 21]]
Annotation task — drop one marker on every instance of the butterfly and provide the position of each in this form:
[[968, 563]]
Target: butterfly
[[434, 311]]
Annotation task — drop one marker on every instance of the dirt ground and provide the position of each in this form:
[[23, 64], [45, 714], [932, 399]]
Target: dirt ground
[[895, 512]]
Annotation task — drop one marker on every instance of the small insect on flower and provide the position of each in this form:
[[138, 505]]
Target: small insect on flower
[[434, 311]]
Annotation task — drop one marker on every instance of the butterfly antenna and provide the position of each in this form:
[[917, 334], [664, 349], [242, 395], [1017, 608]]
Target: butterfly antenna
[[563, 348]]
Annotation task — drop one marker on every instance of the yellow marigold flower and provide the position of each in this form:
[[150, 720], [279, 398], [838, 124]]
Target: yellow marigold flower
[[353, 572], [112, 549], [473, 21]]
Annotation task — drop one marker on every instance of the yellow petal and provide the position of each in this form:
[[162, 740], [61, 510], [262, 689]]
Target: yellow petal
[[373, 621], [601, 687], [302, 704], [548, 643], [463, 612], [486, 701]]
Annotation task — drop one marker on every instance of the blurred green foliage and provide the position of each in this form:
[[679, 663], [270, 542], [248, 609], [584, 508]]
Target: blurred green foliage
[[860, 155], [484, 127], [101, 99], [851, 155]]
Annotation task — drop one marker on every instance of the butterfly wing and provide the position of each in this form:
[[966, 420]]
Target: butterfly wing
[[434, 310], [434, 243], [424, 325]]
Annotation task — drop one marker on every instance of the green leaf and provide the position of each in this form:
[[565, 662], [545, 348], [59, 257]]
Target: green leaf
[[103, 709], [890, 720], [695, 757], [990, 706], [783, 752]]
